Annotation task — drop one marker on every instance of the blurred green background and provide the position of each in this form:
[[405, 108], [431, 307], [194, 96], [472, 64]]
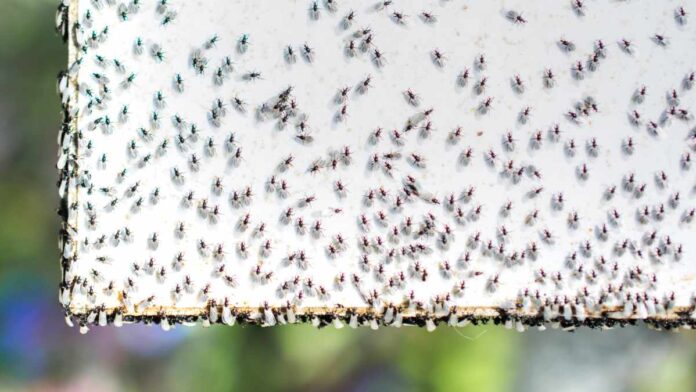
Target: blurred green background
[[39, 352]]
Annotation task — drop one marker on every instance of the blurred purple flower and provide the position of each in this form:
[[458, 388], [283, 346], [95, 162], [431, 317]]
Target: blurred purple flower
[[149, 340], [28, 320]]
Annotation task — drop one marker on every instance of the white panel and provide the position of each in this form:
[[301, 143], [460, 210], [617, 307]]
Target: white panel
[[608, 262]]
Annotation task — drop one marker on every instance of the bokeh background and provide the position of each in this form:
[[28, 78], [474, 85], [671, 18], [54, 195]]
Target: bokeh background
[[38, 352]]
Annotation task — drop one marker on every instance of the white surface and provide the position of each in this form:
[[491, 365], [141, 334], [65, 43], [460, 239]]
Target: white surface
[[464, 30]]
